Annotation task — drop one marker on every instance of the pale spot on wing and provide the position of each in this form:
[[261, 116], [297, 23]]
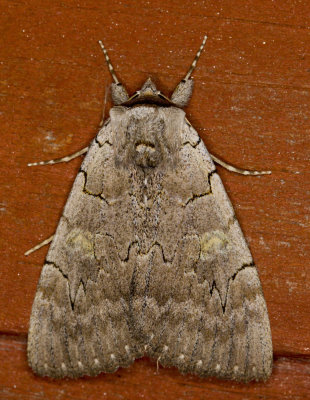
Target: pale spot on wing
[[81, 239], [212, 243]]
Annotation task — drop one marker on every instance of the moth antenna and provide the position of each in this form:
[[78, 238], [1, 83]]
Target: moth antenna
[[194, 63], [110, 66], [182, 93]]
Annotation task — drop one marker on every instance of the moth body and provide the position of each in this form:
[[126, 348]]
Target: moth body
[[148, 257]]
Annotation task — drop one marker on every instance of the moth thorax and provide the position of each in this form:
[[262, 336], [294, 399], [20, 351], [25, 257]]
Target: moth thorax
[[144, 135], [146, 154]]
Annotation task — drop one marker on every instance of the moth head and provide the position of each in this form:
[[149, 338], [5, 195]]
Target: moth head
[[148, 92]]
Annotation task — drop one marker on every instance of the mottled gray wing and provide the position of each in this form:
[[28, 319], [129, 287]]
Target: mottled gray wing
[[79, 322], [201, 304], [149, 257]]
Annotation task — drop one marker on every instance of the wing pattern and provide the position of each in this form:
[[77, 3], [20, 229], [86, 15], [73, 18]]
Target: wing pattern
[[149, 258]]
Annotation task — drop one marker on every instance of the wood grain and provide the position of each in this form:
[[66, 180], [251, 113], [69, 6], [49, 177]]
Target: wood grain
[[250, 106]]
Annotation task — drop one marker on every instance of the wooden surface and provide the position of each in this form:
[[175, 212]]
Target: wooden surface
[[251, 107]]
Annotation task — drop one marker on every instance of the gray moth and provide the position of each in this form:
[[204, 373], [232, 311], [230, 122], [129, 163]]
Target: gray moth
[[148, 257]]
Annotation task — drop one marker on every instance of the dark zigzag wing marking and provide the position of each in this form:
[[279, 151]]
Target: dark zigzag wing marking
[[226, 331], [72, 292], [130, 240]]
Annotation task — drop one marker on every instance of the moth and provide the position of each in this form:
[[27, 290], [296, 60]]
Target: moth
[[148, 257]]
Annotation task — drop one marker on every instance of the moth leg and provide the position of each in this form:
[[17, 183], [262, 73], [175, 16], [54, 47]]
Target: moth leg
[[38, 246], [104, 105], [237, 170], [182, 93], [118, 92], [60, 160]]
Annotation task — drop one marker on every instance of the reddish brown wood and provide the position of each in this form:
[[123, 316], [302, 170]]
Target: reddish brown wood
[[250, 106]]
